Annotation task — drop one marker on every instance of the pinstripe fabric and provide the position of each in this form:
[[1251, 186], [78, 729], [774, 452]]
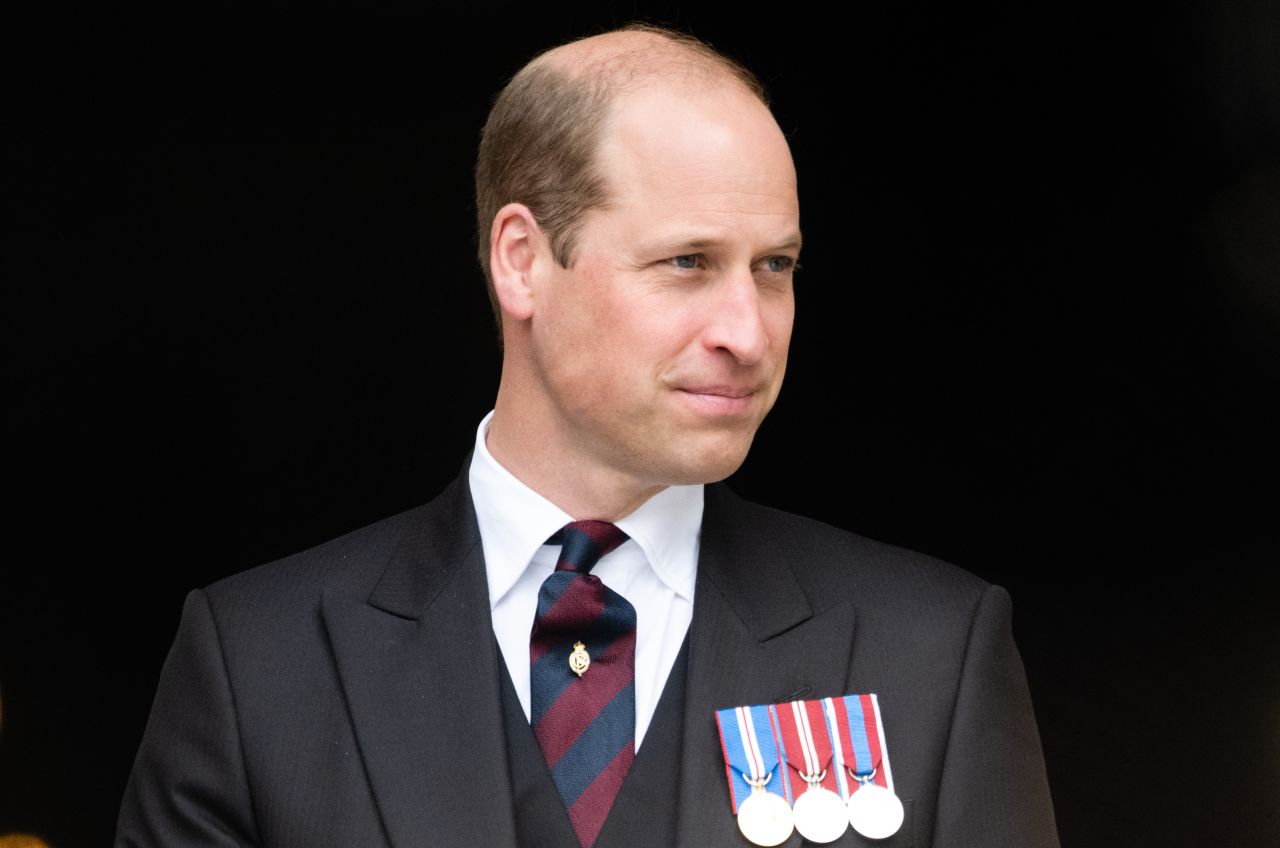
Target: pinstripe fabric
[[584, 724]]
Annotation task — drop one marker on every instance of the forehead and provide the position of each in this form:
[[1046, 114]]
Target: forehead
[[672, 144]]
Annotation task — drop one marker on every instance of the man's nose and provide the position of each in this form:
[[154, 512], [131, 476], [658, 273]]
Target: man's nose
[[736, 323]]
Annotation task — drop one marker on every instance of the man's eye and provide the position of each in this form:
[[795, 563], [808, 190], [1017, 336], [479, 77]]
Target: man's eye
[[688, 261], [779, 264]]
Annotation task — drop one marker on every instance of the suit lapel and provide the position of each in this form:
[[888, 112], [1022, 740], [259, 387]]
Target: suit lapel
[[755, 639], [428, 720], [419, 668]]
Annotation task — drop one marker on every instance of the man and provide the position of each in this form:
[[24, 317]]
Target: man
[[639, 232]]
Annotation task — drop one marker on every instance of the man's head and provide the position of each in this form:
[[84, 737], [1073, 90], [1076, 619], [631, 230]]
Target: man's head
[[646, 327], [538, 146]]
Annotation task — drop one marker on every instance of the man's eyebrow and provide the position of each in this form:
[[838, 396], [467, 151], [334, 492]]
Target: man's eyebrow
[[689, 245], [793, 243], [677, 247]]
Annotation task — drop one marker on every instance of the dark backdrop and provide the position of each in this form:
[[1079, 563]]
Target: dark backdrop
[[1038, 335]]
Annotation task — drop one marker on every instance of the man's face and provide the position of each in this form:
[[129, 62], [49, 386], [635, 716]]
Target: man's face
[[664, 344]]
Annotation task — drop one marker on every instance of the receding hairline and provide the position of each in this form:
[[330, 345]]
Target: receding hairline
[[639, 54]]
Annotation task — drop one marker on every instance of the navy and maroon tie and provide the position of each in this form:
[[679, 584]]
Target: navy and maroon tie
[[582, 677]]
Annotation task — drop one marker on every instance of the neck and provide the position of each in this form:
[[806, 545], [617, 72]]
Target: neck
[[541, 461]]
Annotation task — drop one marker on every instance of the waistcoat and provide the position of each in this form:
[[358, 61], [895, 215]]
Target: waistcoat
[[643, 814]]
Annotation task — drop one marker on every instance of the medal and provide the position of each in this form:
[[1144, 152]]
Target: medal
[[748, 738], [820, 814], [765, 818], [874, 811]]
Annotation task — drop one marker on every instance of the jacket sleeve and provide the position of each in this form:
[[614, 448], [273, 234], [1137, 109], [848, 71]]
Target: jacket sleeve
[[188, 786], [994, 790]]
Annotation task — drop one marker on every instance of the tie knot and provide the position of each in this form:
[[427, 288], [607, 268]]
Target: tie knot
[[584, 542]]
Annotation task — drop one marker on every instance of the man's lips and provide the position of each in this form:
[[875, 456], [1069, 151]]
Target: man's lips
[[719, 399], [720, 391]]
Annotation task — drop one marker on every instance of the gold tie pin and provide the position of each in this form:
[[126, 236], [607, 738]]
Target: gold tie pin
[[579, 660]]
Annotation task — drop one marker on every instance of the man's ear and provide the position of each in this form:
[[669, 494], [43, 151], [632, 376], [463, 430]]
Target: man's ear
[[515, 239]]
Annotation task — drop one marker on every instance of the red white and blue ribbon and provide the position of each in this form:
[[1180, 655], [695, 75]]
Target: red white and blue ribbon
[[858, 748], [806, 746], [749, 740]]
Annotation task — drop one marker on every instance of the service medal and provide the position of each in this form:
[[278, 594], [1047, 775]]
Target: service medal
[[820, 815], [765, 818], [875, 812], [752, 762]]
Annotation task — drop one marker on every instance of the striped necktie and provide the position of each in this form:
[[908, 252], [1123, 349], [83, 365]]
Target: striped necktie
[[582, 657]]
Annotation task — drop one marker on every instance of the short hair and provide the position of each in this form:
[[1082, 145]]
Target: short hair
[[538, 146]]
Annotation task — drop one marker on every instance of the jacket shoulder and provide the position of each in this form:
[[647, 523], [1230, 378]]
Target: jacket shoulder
[[354, 562], [833, 564], [351, 563]]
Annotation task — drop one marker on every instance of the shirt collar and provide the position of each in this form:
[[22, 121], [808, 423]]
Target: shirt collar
[[515, 521]]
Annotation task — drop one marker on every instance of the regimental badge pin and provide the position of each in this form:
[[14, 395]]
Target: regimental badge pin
[[579, 660]]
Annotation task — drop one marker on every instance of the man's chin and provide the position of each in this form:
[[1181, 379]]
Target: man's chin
[[710, 463]]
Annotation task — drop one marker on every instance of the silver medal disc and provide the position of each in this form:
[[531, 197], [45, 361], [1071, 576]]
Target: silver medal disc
[[821, 815], [765, 818], [875, 812]]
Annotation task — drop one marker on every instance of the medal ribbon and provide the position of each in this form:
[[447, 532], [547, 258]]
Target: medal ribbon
[[859, 741], [806, 745], [748, 739], [839, 747]]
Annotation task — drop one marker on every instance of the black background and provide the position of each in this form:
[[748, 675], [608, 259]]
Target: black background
[[1038, 335]]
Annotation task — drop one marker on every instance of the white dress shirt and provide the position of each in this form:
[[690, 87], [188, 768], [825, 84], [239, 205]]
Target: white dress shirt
[[654, 570]]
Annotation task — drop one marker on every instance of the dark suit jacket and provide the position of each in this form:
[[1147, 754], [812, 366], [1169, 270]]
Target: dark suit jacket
[[348, 695]]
